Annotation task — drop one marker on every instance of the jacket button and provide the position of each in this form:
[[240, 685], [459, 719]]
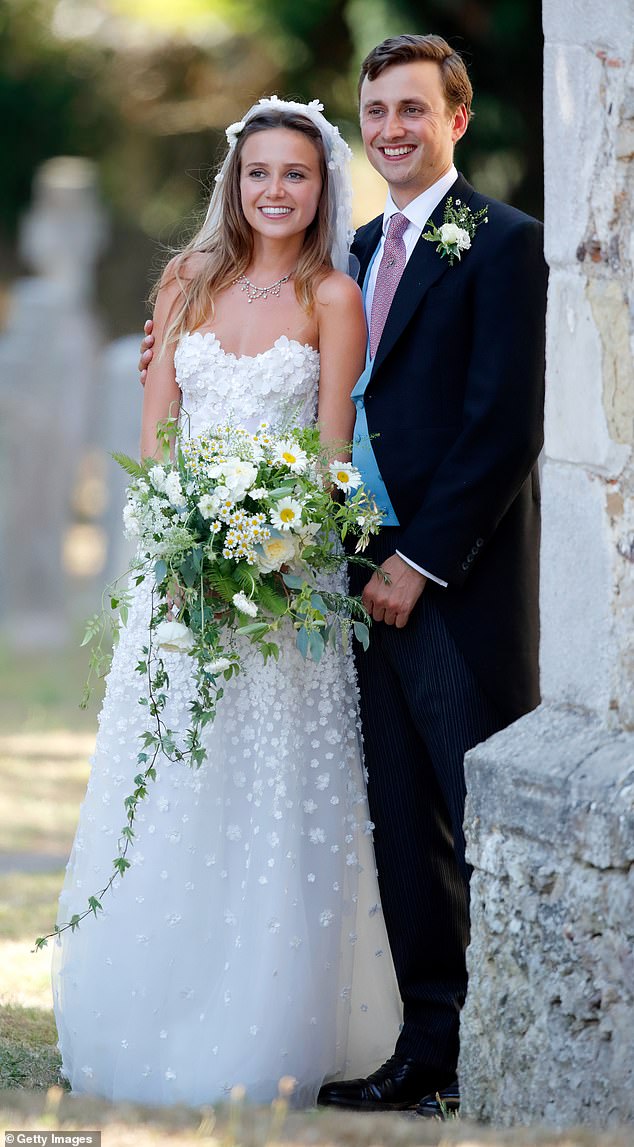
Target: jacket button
[[479, 542], [465, 565]]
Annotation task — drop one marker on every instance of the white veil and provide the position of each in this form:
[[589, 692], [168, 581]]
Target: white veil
[[338, 156]]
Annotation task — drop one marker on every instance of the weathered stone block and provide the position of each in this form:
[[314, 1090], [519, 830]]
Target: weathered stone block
[[546, 1033], [579, 22], [572, 143], [578, 549], [577, 406]]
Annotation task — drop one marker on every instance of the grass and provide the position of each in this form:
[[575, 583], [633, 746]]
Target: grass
[[44, 754], [28, 1052], [40, 690], [42, 780], [27, 904], [44, 750]]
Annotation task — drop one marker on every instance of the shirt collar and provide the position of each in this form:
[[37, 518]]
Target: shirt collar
[[420, 209]]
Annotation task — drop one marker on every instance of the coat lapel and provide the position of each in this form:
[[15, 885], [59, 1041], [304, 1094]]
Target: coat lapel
[[424, 267], [366, 247]]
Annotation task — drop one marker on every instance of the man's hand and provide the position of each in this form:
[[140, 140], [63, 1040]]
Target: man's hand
[[147, 353], [393, 602]]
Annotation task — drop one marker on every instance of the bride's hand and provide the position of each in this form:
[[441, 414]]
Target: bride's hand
[[146, 350]]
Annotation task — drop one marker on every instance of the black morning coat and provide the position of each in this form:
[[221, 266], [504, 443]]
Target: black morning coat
[[456, 403]]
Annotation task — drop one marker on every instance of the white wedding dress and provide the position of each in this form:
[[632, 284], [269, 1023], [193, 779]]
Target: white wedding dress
[[246, 942]]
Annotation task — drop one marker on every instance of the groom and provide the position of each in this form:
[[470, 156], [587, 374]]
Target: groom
[[448, 431]]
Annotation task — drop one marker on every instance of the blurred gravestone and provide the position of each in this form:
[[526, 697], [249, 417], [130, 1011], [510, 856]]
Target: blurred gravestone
[[48, 368]]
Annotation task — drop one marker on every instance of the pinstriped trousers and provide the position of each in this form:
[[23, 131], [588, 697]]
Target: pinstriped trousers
[[421, 709]]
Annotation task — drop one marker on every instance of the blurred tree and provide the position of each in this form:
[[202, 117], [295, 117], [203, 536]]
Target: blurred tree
[[502, 43], [145, 86], [49, 102]]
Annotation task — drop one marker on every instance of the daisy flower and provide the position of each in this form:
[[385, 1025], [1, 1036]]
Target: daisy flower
[[292, 456], [287, 514], [344, 476]]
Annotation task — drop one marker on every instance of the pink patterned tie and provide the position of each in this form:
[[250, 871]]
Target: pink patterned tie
[[391, 268]]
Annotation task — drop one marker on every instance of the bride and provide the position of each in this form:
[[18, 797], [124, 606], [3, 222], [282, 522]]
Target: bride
[[246, 941]]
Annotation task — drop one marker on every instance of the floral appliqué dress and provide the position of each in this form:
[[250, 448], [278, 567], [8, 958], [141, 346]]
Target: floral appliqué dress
[[246, 942]]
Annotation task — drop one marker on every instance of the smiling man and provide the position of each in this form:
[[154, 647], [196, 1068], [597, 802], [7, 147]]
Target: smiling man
[[448, 431]]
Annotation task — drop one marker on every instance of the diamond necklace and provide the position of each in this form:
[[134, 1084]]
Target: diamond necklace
[[254, 292]]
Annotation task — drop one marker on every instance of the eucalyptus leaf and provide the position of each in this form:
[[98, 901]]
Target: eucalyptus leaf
[[302, 641], [362, 633], [315, 646], [293, 581]]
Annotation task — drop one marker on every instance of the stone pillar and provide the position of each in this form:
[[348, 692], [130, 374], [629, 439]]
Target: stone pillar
[[48, 365], [547, 1027]]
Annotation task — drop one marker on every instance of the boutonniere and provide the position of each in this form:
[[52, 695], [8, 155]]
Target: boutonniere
[[457, 229]]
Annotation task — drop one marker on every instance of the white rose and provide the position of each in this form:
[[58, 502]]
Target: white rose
[[157, 478], [454, 236], [238, 476], [131, 525], [273, 552], [218, 666], [464, 239], [173, 489], [207, 506], [174, 636]]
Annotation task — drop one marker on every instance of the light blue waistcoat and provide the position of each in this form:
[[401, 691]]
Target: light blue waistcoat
[[363, 456]]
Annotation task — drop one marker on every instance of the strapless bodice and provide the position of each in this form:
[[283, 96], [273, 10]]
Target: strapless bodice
[[278, 386]]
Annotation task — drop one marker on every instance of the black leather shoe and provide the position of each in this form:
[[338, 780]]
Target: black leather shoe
[[395, 1086], [441, 1104]]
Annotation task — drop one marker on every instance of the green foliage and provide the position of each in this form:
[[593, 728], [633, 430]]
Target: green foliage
[[130, 465], [51, 100]]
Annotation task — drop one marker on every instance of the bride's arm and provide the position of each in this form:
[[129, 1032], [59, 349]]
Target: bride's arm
[[161, 396], [342, 343]]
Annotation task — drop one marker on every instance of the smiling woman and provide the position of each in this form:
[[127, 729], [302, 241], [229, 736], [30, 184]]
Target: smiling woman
[[245, 942]]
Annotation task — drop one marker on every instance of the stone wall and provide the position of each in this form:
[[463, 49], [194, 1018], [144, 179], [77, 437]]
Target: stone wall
[[547, 1032], [547, 1029]]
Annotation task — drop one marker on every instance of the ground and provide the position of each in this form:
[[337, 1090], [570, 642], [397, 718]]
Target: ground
[[44, 748]]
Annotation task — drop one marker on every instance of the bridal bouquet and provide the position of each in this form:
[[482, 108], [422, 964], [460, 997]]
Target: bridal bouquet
[[232, 533], [235, 532]]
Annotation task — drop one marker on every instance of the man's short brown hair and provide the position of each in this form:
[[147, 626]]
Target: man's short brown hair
[[406, 49]]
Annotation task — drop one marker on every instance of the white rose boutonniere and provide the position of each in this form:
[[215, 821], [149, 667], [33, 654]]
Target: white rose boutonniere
[[457, 229]]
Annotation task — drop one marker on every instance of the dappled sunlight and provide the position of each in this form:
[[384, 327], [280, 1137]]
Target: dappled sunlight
[[26, 975], [42, 782]]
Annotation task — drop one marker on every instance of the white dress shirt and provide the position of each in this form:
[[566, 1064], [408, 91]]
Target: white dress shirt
[[418, 213]]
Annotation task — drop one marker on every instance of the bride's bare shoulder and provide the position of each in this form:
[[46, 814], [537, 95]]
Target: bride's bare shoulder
[[338, 289], [184, 267]]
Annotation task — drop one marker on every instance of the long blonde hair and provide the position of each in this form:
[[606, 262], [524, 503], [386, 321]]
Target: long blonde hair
[[226, 239]]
